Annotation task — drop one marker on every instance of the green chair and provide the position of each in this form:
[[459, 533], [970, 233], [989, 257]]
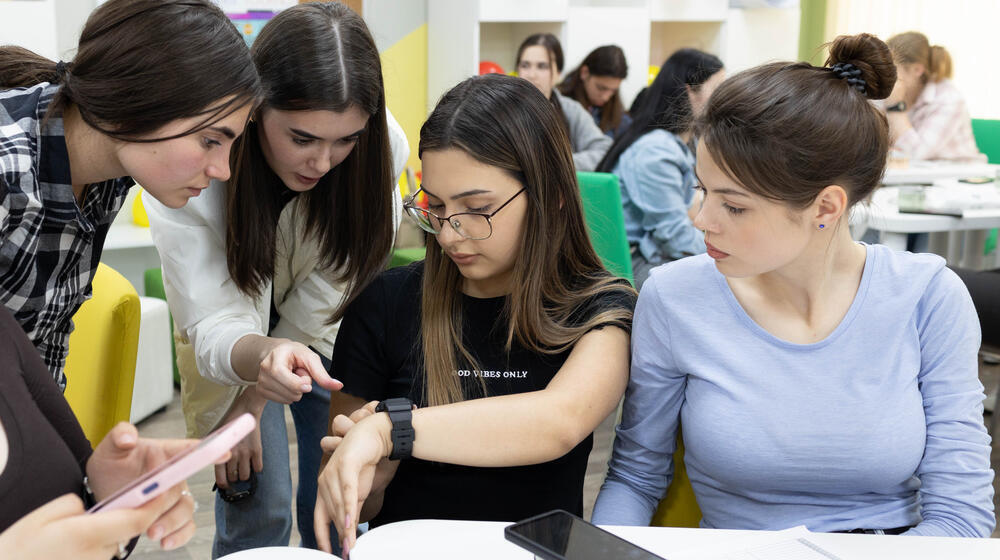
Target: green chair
[[403, 257], [153, 284], [987, 134], [602, 208]]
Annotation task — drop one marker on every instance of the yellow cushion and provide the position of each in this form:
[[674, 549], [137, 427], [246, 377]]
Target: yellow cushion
[[100, 366], [678, 508]]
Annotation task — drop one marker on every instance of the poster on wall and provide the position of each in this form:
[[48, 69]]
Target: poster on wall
[[249, 16]]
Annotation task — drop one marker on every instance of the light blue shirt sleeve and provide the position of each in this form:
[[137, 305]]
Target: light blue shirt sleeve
[[654, 179], [956, 490], [641, 464]]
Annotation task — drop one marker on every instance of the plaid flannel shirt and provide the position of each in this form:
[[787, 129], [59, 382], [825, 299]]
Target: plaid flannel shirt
[[942, 129], [49, 245]]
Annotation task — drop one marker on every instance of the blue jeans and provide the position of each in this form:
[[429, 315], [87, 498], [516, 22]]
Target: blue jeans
[[265, 518]]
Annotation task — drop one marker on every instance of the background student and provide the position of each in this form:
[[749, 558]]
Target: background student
[[817, 381], [928, 116], [156, 94], [256, 270], [511, 337], [539, 60], [655, 165], [594, 84]]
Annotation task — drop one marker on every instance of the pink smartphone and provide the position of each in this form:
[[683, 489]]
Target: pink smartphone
[[179, 467]]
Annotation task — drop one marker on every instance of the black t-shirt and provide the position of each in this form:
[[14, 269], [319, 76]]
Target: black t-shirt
[[378, 356], [47, 451]]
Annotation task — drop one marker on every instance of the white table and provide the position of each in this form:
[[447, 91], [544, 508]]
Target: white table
[[442, 540], [959, 240], [279, 553], [926, 172]]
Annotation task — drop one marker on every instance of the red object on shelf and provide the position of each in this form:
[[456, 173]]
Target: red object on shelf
[[487, 67]]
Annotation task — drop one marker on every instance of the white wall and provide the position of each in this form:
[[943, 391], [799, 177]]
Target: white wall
[[754, 36], [50, 28], [30, 25]]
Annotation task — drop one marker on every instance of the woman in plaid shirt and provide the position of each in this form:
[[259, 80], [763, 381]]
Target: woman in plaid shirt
[[928, 117], [156, 94]]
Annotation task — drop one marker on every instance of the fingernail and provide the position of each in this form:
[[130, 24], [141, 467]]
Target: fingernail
[[168, 544], [306, 388], [344, 549], [155, 533], [127, 438], [347, 521]]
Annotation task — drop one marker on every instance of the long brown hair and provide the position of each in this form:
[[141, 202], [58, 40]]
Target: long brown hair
[[551, 45], [786, 131], [913, 47], [316, 56], [505, 122], [608, 61], [143, 63]]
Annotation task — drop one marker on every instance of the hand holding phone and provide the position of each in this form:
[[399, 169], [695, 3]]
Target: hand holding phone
[[560, 535], [174, 470]]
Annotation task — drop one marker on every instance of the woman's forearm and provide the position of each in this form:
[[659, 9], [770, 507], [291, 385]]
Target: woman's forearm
[[249, 351], [528, 428]]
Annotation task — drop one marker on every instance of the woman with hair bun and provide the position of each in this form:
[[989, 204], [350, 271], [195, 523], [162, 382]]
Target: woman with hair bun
[[817, 381], [928, 117]]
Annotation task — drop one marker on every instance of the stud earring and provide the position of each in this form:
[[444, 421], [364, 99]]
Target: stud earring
[[821, 226]]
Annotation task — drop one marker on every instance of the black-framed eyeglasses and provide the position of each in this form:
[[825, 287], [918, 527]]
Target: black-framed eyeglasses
[[470, 225]]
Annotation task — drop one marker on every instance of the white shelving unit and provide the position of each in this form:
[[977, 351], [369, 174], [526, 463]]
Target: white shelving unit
[[463, 32]]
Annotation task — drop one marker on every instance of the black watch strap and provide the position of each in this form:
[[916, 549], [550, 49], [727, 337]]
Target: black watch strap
[[897, 107], [401, 415]]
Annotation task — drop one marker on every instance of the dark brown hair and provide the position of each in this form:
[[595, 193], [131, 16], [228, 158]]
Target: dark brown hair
[[505, 122], [786, 131], [913, 47], [556, 60], [607, 61], [143, 63], [666, 104], [316, 56]]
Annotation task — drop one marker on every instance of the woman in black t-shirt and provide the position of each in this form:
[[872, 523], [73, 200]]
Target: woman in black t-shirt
[[512, 339]]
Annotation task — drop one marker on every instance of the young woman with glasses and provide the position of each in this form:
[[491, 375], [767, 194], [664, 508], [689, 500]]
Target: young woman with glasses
[[511, 338], [258, 272]]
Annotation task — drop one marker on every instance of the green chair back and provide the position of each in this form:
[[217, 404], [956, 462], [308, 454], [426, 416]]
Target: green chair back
[[153, 283], [987, 134], [602, 208], [403, 257]]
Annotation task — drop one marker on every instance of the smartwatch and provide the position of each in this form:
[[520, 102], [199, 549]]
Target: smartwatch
[[897, 107], [400, 414]]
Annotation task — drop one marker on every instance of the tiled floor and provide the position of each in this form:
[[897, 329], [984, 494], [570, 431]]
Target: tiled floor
[[171, 424]]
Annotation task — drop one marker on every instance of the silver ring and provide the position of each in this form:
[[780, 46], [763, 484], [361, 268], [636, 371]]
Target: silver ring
[[193, 500]]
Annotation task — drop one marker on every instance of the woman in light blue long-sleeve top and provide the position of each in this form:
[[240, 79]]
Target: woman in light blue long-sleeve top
[[655, 166], [816, 381]]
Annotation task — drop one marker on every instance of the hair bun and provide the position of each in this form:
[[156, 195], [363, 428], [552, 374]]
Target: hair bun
[[869, 54]]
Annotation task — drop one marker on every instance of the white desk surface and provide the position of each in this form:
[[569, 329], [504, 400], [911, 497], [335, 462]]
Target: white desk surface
[[418, 539], [918, 172], [883, 214], [279, 553]]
